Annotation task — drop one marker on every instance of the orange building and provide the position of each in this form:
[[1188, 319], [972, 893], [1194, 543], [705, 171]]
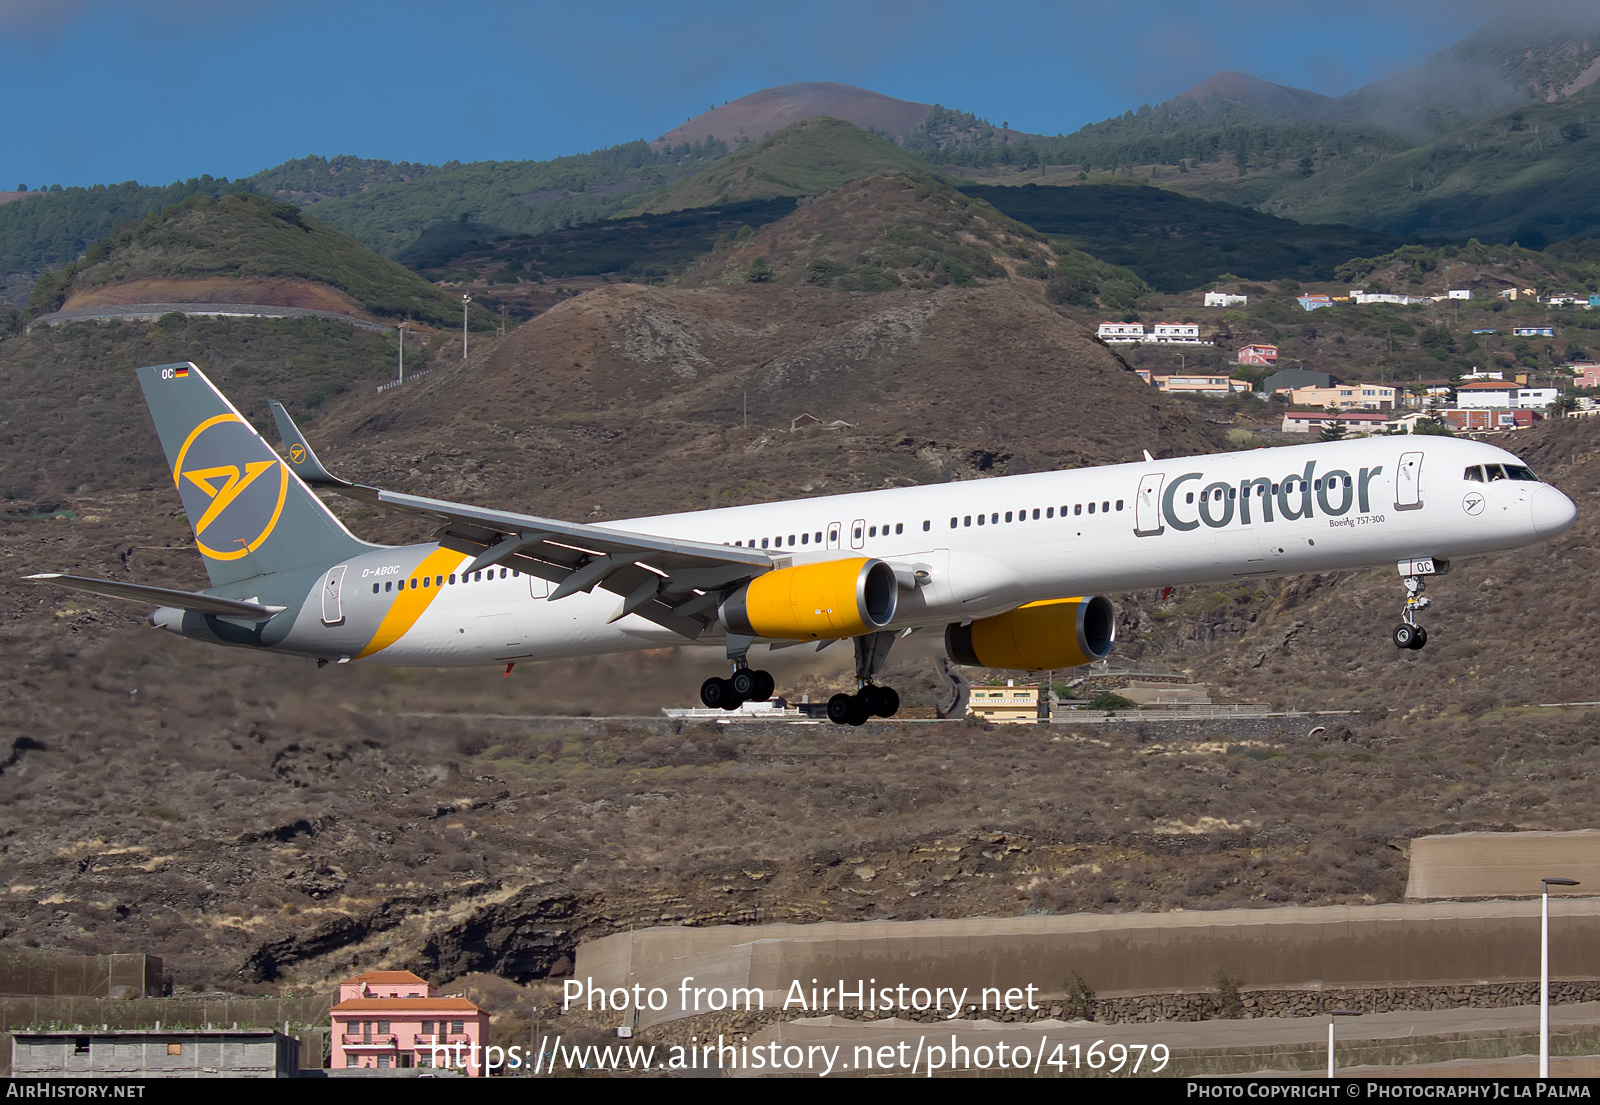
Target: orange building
[[390, 1019]]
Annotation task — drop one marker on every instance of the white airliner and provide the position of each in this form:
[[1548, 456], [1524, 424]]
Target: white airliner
[[1012, 570]]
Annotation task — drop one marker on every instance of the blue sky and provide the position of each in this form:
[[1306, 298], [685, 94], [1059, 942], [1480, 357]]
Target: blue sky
[[100, 91]]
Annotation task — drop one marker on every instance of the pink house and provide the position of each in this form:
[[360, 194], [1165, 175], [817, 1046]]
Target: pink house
[[394, 1019]]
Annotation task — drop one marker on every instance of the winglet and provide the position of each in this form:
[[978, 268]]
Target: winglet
[[302, 460], [1147, 455]]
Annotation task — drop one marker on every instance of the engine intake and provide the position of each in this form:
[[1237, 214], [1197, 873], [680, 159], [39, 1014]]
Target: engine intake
[[1057, 633], [813, 602]]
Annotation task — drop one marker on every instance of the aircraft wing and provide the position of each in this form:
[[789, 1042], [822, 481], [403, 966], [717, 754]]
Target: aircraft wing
[[161, 596], [675, 583]]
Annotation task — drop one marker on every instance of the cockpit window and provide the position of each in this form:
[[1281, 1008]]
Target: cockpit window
[[1473, 474], [1494, 472], [1518, 472]]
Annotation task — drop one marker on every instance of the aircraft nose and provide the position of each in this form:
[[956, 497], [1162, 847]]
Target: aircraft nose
[[1553, 512]]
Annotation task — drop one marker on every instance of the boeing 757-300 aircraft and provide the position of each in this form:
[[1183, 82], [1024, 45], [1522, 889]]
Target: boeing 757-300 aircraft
[[1012, 571]]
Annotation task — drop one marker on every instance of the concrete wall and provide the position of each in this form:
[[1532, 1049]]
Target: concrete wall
[[1498, 865], [1119, 955]]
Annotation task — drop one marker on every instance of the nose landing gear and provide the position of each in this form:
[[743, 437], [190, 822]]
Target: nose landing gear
[[1408, 634]]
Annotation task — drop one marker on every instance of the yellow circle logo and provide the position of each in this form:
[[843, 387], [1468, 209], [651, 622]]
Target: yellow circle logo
[[297, 453], [224, 476]]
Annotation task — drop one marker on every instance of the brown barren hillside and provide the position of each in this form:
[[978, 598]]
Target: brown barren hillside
[[770, 110], [218, 289]]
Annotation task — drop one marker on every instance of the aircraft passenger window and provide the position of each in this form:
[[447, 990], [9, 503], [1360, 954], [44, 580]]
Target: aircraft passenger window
[[1119, 501], [981, 519], [1317, 485], [1105, 507], [995, 517], [1518, 472], [1494, 472], [374, 588], [1078, 509], [1008, 516], [953, 522], [858, 533], [819, 537], [502, 573], [968, 520], [427, 581], [738, 543], [763, 542], [833, 536], [1274, 490], [1035, 514], [872, 531], [1347, 483], [805, 539], [791, 539], [477, 576], [899, 527], [514, 573], [1091, 508], [452, 579], [927, 524], [387, 584], [1050, 512]]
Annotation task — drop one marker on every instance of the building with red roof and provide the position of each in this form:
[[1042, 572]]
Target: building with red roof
[[394, 1019]]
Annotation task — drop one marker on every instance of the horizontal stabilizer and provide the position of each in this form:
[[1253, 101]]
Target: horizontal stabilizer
[[161, 596]]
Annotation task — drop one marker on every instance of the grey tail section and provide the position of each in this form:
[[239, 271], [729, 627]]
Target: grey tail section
[[251, 513]]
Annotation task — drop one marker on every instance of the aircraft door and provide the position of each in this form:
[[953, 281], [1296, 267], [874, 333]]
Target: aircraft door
[[833, 534], [1408, 482], [332, 601], [1147, 506], [538, 588], [858, 533]]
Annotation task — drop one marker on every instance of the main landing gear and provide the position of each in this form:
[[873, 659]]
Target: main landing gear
[[870, 700], [745, 685], [1408, 634]]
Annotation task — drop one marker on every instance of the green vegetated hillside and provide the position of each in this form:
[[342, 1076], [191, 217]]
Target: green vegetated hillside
[[247, 236], [1175, 242], [908, 230], [390, 210], [800, 160], [641, 246], [48, 229], [1526, 176]]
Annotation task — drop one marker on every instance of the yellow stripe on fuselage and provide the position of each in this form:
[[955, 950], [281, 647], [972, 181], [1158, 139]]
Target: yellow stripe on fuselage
[[408, 607]]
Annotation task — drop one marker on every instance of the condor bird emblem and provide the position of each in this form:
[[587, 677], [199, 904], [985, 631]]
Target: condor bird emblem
[[1473, 503], [225, 475]]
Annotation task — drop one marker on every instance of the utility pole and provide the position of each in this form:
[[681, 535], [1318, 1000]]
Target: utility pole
[[401, 329], [465, 299]]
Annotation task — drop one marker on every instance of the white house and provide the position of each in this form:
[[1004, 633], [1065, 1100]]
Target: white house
[[1358, 296], [1458, 293], [1226, 299], [1125, 332], [1490, 394], [1179, 333]]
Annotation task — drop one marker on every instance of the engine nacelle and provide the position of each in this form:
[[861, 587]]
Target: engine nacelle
[[814, 602], [1057, 633]]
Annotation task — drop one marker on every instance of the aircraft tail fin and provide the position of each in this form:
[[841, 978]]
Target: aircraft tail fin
[[251, 514]]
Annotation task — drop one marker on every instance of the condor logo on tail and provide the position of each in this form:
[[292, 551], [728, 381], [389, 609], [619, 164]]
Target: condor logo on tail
[[234, 506]]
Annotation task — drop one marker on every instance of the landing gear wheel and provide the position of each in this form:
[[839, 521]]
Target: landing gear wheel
[[718, 694], [744, 683], [859, 711], [880, 701], [765, 687], [839, 708], [1404, 636], [1419, 638]]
